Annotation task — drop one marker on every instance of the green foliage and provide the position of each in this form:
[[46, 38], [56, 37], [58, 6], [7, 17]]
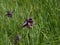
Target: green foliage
[[46, 16]]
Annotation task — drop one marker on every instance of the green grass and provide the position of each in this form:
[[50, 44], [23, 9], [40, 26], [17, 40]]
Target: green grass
[[46, 16]]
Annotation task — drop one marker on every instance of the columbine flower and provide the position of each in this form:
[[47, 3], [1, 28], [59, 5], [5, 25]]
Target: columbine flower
[[9, 13], [28, 23], [17, 39], [25, 23]]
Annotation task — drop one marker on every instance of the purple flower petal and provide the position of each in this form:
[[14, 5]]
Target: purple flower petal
[[17, 39], [25, 23], [9, 13], [28, 23]]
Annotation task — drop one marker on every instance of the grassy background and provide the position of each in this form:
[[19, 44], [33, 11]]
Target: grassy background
[[46, 15]]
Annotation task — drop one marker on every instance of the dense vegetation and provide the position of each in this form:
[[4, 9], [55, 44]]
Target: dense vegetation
[[46, 17]]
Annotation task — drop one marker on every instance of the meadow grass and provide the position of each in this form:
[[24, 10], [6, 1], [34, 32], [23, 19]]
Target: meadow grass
[[46, 16]]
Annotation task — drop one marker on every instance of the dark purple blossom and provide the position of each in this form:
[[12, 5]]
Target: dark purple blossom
[[25, 23], [28, 23], [9, 13], [17, 39]]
